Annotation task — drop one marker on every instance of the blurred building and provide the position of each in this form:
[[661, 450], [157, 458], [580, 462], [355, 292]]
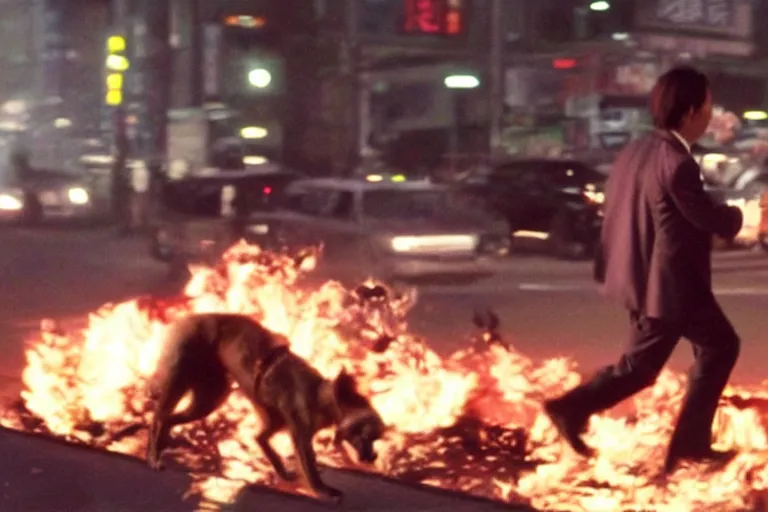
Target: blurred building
[[51, 53], [575, 73], [224, 59], [596, 67], [406, 113], [319, 83]]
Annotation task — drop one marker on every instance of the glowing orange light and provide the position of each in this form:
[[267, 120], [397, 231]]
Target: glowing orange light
[[245, 21], [564, 63], [453, 22]]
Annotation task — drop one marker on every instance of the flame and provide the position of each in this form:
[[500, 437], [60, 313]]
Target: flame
[[472, 422]]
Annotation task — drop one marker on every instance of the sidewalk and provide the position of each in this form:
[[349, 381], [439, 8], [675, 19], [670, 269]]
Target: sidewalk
[[39, 474]]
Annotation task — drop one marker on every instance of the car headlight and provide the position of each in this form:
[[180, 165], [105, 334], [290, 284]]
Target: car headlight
[[78, 195], [403, 243], [440, 243], [10, 203], [259, 229], [593, 195]]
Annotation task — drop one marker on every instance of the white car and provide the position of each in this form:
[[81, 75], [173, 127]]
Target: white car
[[389, 229], [43, 194]]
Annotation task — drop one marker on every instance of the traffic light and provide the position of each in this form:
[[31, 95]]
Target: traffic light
[[116, 65]]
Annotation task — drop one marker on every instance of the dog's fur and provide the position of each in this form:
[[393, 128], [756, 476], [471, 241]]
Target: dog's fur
[[204, 353]]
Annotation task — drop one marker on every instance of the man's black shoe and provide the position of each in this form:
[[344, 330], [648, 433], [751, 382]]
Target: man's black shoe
[[718, 457], [568, 427]]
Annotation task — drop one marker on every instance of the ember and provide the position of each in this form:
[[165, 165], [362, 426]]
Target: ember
[[472, 422]]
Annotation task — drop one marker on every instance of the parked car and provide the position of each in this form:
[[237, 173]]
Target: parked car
[[556, 204], [44, 194], [390, 229], [199, 217]]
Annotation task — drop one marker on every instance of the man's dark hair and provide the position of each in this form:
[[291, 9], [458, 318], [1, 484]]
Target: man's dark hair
[[677, 92]]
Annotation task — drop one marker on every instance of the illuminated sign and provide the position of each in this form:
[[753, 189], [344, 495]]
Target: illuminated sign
[[116, 64], [710, 13], [563, 63], [245, 21], [730, 18], [438, 17]]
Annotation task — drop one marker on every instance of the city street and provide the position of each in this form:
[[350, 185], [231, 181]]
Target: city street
[[552, 308], [547, 308]]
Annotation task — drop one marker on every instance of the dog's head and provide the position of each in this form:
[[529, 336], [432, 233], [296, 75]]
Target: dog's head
[[359, 425]]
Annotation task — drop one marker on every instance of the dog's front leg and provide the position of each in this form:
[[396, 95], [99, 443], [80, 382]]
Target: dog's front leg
[[338, 443], [272, 456], [303, 444], [153, 448]]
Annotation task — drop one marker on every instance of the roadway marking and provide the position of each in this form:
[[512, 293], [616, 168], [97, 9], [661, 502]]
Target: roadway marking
[[553, 287]]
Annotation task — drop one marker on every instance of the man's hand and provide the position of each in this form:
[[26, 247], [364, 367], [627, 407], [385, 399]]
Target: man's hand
[[736, 219], [687, 192]]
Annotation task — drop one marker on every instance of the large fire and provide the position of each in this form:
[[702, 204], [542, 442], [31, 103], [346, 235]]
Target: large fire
[[472, 422]]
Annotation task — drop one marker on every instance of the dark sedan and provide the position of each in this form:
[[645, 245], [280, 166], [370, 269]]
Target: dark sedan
[[201, 216], [550, 204]]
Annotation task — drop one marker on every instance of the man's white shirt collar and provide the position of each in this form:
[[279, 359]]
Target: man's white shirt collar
[[684, 142]]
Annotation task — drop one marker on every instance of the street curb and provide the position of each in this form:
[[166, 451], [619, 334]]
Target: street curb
[[462, 500], [469, 498]]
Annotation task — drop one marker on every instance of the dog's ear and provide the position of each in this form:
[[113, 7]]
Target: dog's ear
[[344, 386]]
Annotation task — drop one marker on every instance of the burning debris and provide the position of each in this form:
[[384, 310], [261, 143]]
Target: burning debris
[[472, 422], [489, 324]]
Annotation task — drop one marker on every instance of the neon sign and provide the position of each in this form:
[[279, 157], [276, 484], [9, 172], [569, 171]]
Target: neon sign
[[437, 17]]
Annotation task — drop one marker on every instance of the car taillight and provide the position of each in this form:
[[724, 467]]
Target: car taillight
[[593, 195], [267, 191]]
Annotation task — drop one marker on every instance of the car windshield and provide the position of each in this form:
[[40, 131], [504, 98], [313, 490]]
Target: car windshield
[[403, 204], [414, 204]]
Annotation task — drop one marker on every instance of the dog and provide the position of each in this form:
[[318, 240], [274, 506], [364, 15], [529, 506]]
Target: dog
[[206, 353], [490, 335]]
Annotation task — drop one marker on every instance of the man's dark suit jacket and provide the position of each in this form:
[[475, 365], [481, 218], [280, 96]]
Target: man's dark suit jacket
[[656, 241]]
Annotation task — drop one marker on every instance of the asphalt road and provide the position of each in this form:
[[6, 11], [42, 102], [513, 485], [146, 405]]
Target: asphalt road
[[62, 273], [552, 308], [548, 308]]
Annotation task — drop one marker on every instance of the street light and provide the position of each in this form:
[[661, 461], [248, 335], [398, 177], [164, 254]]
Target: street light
[[62, 122], [756, 115], [254, 132], [461, 82], [14, 107], [259, 78], [458, 82], [599, 5]]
